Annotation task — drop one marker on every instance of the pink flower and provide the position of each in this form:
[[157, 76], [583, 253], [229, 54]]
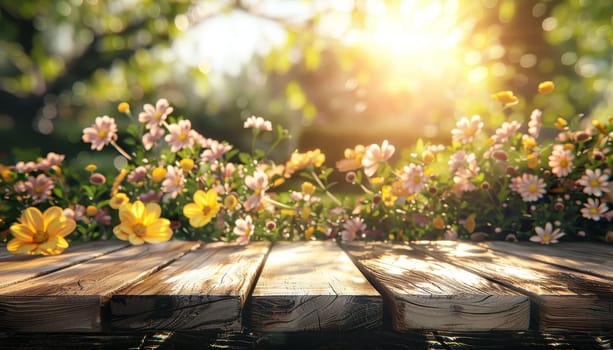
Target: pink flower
[[243, 229], [40, 187], [150, 196], [77, 213], [259, 184], [181, 135], [351, 228], [534, 125], [174, 182], [594, 182], [530, 187], [462, 161], [137, 174], [505, 131], [216, 150], [412, 178], [546, 235], [260, 123], [23, 167], [462, 181], [375, 154], [102, 217], [594, 209], [149, 139], [561, 161], [103, 131], [466, 129], [50, 161], [155, 116]]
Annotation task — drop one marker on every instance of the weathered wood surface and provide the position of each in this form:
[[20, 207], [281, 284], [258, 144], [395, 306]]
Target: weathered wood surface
[[564, 299], [424, 293], [70, 299], [312, 286], [577, 256], [205, 289], [17, 268]]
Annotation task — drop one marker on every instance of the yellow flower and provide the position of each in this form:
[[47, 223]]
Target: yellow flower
[[561, 124], [307, 188], [305, 213], [506, 97], [118, 180], [438, 223], [387, 195], [141, 223], [308, 233], [91, 168], [532, 161], [428, 157], [123, 107], [118, 200], [470, 224], [158, 174], [546, 87], [186, 164], [230, 202], [203, 209], [528, 142], [91, 210], [41, 233], [598, 125]]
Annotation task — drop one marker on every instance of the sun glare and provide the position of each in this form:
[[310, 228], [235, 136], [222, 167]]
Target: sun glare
[[424, 36]]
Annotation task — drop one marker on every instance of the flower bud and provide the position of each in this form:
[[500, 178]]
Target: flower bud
[[158, 174], [350, 177], [97, 179], [546, 87], [91, 210]]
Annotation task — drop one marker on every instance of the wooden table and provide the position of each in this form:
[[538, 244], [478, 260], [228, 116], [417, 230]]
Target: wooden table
[[310, 287]]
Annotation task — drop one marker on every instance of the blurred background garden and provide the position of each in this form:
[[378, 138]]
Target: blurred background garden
[[334, 73]]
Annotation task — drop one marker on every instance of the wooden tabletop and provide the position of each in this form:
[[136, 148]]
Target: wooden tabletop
[[309, 286]]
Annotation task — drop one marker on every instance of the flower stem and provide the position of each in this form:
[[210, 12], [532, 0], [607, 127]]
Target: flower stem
[[121, 150], [330, 195]]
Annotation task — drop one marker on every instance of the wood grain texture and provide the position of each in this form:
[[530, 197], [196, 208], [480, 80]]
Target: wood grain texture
[[562, 299], [205, 289], [78, 292], [425, 293], [312, 286], [17, 268], [580, 257]]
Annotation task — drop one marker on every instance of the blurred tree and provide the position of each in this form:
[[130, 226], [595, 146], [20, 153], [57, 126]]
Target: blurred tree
[[339, 72]]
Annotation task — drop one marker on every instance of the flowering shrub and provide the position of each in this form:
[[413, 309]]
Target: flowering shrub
[[504, 183]]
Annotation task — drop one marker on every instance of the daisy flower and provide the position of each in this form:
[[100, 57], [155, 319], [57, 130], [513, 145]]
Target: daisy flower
[[530, 187], [101, 133], [39, 187], [180, 135], [412, 178], [375, 154], [259, 184], [561, 161], [466, 129], [505, 131], [41, 232], [142, 223], [594, 209], [174, 182], [203, 209], [243, 229], [259, 123], [351, 228], [546, 235], [594, 182]]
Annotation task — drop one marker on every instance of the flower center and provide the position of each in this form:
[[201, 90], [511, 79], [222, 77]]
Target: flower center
[[182, 137], [547, 238], [206, 210], [594, 183], [533, 188], [102, 134], [40, 237], [594, 211], [563, 163], [416, 179], [157, 116], [139, 229]]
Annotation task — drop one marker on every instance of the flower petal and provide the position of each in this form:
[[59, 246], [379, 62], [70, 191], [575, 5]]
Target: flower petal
[[536, 239], [135, 240], [22, 231], [34, 218]]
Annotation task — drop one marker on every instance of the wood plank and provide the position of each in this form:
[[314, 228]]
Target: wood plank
[[584, 260], [71, 299], [204, 289], [312, 286], [425, 293], [562, 299], [17, 268]]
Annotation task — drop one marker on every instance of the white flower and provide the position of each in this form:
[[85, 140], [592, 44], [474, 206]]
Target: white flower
[[260, 123], [412, 178], [529, 186], [561, 161], [594, 182], [243, 229], [466, 130], [593, 209], [546, 236], [375, 154], [351, 228], [534, 125], [505, 131]]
